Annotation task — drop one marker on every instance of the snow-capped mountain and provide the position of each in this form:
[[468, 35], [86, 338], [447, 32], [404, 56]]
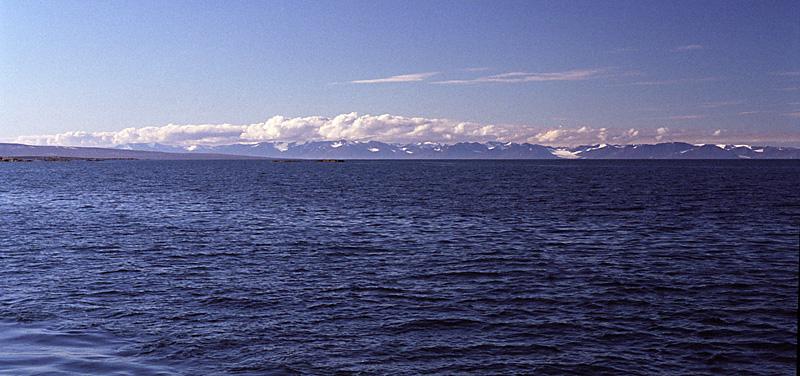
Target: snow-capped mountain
[[343, 149], [680, 150]]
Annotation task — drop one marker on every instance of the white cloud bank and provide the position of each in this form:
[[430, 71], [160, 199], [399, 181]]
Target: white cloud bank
[[351, 126], [356, 127]]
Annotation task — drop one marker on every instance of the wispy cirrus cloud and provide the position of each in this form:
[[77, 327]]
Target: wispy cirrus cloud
[[519, 77], [676, 81], [688, 47], [412, 77], [508, 77], [787, 74], [721, 104], [623, 49], [685, 117]]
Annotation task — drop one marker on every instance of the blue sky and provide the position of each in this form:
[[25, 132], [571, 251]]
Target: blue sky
[[558, 72]]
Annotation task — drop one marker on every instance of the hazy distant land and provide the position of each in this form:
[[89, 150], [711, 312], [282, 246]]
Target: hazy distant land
[[20, 152]]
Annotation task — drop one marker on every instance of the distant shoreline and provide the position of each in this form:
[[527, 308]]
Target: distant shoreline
[[58, 159]]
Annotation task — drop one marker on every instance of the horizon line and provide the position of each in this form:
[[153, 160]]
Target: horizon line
[[552, 146]]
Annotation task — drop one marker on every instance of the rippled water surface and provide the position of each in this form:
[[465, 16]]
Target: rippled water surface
[[254, 267]]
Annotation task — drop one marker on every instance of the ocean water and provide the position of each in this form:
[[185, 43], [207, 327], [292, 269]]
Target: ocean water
[[399, 267]]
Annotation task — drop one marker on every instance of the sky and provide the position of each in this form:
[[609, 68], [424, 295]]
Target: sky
[[104, 73]]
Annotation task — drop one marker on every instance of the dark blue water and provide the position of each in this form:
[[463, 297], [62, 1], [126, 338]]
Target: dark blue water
[[564, 267]]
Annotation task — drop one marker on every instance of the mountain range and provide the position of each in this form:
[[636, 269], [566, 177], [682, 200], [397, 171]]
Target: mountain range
[[424, 150], [473, 150]]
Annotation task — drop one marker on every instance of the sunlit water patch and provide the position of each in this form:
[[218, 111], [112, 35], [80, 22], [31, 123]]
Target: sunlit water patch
[[35, 349]]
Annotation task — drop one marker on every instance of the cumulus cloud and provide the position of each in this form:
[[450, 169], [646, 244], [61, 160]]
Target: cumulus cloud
[[389, 128], [602, 134], [550, 135], [279, 128], [661, 133], [413, 77], [583, 135]]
